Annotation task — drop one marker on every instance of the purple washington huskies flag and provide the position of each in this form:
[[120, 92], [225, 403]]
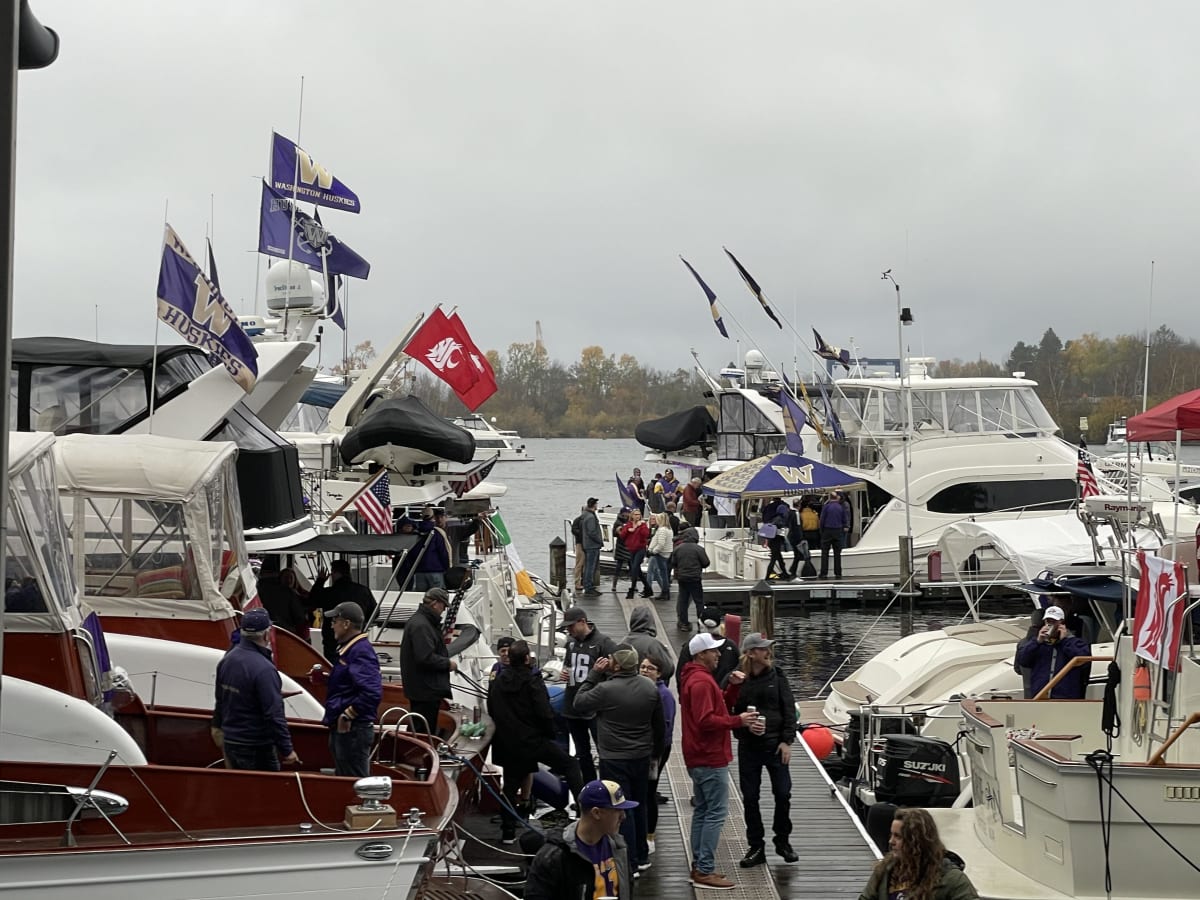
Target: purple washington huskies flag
[[188, 302], [316, 183], [311, 239], [712, 299], [793, 420], [754, 288]]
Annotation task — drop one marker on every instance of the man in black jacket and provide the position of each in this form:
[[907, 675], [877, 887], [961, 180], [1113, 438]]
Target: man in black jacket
[[585, 646], [341, 589], [728, 661], [766, 744], [586, 859], [688, 562], [425, 665], [520, 708]]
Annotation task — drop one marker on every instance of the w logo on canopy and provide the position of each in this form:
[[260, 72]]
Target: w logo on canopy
[[441, 354], [795, 474]]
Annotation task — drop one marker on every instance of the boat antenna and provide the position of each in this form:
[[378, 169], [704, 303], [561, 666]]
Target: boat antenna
[[904, 317], [1146, 371]]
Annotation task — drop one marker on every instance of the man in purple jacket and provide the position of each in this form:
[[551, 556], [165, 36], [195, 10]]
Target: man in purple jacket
[[354, 691], [833, 525]]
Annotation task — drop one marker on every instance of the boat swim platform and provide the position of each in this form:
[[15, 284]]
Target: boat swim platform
[[836, 855]]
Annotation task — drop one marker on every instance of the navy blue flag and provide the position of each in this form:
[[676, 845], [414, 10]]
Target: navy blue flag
[[311, 240], [712, 299], [834, 354], [333, 303], [793, 420], [188, 302], [831, 417], [212, 267], [627, 497], [754, 288], [316, 183]]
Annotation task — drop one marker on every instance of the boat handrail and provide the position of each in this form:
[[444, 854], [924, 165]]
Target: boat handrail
[[1044, 693], [1158, 757]]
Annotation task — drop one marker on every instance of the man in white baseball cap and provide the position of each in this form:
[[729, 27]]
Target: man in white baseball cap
[[707, 753], [1051, 650]]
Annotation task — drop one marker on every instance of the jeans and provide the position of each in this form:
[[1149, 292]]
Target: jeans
[[660, 571], [591, 559], [635, 571], [423, 581], [633, 775], [582, 731], [689, 592], [750, 766], [352, 749], [251, 756], [710, 787], [831, 538]]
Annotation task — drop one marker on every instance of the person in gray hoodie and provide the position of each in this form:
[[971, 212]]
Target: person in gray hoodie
[[688, 562], [631, 732], [643, 637]]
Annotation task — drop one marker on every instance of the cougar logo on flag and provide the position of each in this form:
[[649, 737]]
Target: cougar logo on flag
[[441, 354], [1158, 616]]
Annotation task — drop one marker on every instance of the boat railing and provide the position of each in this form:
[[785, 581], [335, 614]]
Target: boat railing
[[1072, 664], [1158, 758]]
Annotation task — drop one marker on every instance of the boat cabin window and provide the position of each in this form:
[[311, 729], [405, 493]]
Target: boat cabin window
[[36, 576], [972, 497], [962, 411], [744, 431]]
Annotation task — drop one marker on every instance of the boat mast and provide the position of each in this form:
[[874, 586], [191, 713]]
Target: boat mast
[[904, 317], [1146, 370]]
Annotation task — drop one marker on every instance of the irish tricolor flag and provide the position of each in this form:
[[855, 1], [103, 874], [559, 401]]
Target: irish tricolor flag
[[524, 582]]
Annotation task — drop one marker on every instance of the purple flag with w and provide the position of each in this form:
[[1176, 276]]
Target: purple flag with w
[[793, 420], [316, 183], [310, 241], [188, 302]]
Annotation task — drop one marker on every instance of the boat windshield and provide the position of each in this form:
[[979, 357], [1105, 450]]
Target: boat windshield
[[962, 410]]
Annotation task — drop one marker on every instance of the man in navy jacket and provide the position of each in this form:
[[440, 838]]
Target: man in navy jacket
[[353, 693]]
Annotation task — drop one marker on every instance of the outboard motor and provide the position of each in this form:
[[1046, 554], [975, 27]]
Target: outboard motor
[[917, 771]]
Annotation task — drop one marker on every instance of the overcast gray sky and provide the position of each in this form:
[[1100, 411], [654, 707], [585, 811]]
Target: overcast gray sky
[[1016, 164]]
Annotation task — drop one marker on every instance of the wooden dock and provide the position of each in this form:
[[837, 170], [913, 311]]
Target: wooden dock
[[836, 856]]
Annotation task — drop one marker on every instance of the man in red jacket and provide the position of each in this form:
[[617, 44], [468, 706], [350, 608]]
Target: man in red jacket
[[707, 753]]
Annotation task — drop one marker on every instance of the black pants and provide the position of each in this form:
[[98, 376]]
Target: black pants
[[582, 732], [690, 593], [831, 539], [776, 564], [251, 756], [750, 767], [428, 709], [653, 791], [633, 775], [560, 763]]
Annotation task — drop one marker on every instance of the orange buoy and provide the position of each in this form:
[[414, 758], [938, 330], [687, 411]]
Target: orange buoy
[[819, 739], [1141, 684]]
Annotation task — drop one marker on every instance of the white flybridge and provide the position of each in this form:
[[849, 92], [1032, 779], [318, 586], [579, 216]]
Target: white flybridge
[[491, 441]]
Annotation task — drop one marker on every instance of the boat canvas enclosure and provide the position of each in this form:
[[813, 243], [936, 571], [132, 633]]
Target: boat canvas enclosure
[[156, 525]]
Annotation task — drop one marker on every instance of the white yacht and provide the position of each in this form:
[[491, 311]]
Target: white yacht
[[490, 441]]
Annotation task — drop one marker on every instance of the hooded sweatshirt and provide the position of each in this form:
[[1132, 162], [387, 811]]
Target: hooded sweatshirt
[[643, 637], [560, 871], [689, 560], [520, 708], [707, 724]]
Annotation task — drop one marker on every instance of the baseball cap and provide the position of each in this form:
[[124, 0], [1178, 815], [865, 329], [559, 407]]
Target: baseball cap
[[348, 610], [256, 621], [592, 501], [571, 616], [604, 795], [437, 594], [505, 641], [754, 641], [625, 658], [710, 617], [701, 642], [1054, 612]]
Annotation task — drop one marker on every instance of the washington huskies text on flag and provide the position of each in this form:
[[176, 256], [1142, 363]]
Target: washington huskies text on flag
[[310, 240], [315, 184], [1158, 617], [189, 303], [712, 299], [754, 288], [375, 504]]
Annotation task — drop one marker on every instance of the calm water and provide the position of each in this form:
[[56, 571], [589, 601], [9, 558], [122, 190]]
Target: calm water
[[565, 472]]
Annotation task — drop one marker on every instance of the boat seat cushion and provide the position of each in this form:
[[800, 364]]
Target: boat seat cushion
[[165, 583]]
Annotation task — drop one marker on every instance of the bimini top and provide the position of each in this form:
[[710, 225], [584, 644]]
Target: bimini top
[[62, 351], [142, 465], [26, 446]]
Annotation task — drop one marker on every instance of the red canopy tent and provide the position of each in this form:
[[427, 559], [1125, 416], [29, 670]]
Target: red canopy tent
[[1175, 419]]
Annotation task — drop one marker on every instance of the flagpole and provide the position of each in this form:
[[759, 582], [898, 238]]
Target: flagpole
[[287, 285], [157, 319], [368, 485], [345, 301]]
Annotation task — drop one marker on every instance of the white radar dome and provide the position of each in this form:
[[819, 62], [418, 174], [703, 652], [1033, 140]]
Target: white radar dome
[[289, 286]]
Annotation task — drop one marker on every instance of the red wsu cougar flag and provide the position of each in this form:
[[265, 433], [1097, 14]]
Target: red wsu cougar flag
[[438, 346], [486, 385], [1158, 619]]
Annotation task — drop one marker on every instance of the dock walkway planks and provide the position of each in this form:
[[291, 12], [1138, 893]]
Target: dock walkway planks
[[836, 857]]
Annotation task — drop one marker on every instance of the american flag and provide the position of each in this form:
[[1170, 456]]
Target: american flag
[[1087, 480], [375, 504], [472, 479]]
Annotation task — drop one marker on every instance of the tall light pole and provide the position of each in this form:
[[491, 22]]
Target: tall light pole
[[904, 317]]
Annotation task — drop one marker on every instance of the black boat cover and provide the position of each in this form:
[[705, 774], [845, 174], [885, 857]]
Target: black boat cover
[[678, 430], [407, 422]]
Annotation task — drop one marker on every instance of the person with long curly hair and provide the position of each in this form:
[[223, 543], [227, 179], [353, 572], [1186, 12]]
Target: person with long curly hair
[[917, 866]]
